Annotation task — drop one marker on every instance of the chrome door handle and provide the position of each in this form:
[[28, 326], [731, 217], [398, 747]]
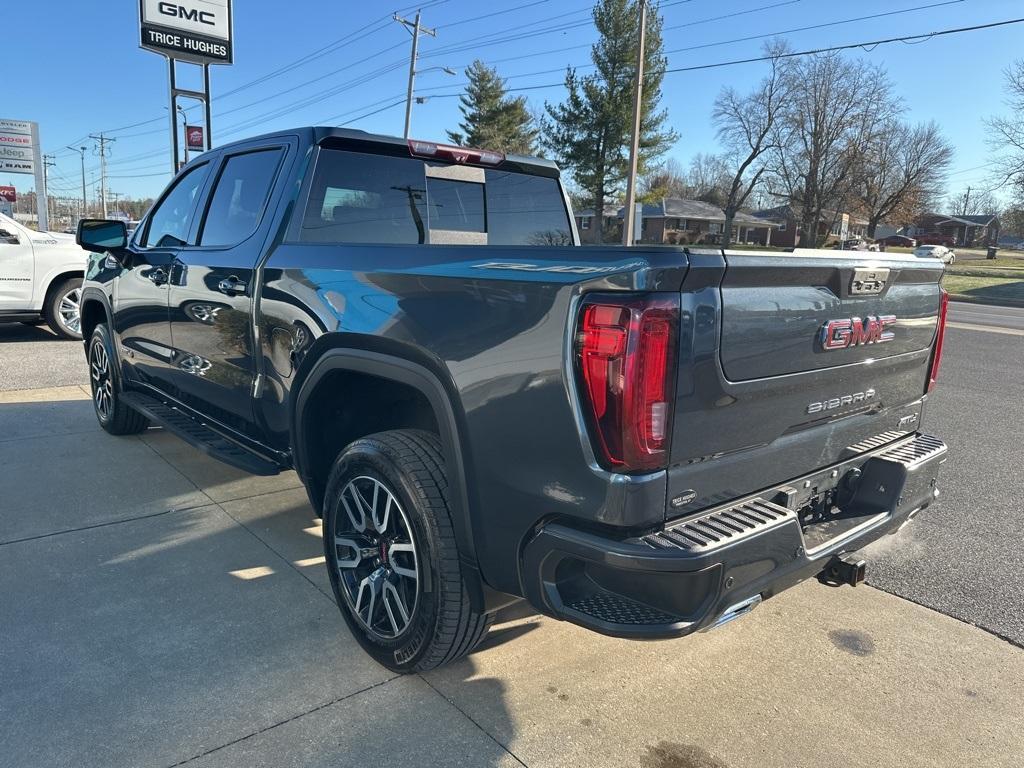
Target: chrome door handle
[[231, 286], [158, 275]]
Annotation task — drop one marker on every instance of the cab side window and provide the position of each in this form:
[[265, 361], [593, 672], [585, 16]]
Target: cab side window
[[238, 200], [170, 221]]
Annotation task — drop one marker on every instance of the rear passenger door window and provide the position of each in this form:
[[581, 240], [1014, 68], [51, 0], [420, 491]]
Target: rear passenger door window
[[240, 197]]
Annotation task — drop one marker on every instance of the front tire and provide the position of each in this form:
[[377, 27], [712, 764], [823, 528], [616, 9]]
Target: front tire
[[112, 413], [391, 553], [63, 309]]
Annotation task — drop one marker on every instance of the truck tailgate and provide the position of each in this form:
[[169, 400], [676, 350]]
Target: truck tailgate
[[775, 307], [789, 362]]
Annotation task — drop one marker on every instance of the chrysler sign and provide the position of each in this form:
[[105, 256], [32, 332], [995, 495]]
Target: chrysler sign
[[188, 30]]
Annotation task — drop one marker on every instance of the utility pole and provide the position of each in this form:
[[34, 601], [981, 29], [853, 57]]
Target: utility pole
[[115, 195], [81, 152], [48, 161], [634, 149], [415, 30], [101, 146]]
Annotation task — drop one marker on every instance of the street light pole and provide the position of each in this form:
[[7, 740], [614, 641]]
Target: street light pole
[[184, 129], [634, 149]]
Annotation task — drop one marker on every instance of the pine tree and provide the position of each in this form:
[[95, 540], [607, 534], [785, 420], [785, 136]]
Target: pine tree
[[490, 118], [589, 133]]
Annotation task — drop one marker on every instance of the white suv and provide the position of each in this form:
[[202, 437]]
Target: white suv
[[40, 278]]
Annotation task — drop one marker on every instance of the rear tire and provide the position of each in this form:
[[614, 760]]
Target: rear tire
[[63, 309], [112, 413], [391, 553]]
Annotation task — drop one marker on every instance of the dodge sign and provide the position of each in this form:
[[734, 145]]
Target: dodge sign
[[188, 30]]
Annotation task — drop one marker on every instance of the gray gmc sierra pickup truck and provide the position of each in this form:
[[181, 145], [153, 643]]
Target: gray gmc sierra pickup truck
[[645, 441]]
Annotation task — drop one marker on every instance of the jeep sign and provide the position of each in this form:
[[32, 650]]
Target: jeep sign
[[188, 30]]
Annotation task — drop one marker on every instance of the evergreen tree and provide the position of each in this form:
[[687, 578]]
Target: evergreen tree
[[589, 133], [490, 118]]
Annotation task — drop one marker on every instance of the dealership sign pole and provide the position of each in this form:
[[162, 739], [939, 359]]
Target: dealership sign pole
[[20, 153], [194, 31]]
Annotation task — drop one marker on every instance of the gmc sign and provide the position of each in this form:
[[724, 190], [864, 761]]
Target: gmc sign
[[854, 332], [189, 30]]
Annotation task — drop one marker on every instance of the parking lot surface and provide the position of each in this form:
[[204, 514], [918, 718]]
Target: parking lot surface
[[162, 609]]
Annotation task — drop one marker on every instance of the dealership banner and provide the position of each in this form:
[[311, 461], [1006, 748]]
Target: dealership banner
[[20, 153]]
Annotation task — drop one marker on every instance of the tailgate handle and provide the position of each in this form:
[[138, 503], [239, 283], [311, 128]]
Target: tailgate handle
[[867, 281]]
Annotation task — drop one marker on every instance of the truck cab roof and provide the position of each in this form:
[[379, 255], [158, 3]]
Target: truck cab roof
[[352, 138]]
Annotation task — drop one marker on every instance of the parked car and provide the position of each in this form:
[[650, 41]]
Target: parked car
[[898, 241], [945, 240], [40, 278], [482, 410], [855, 244], [946, 255]]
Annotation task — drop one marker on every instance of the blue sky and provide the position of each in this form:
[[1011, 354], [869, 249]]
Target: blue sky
[[82, 72]]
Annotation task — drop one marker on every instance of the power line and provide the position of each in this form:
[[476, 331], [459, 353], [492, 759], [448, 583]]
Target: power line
[[675, 27], [748, 38], [793, 54]]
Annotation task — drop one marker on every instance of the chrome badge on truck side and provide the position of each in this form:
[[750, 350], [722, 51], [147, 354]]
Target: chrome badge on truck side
[[855, 332]]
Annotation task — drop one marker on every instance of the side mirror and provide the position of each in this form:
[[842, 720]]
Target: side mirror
[[102, 235]]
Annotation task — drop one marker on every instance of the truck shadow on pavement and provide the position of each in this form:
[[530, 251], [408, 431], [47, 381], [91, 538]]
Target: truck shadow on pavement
[[23, 332]]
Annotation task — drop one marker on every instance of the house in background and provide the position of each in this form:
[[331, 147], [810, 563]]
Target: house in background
[[965, 231], [587, 226], [833, 225], [675, 221]]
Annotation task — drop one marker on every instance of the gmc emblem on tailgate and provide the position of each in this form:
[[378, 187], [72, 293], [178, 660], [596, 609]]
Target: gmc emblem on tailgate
[[855, 332]]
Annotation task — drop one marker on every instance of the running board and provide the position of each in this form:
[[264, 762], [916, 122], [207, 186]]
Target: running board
[[199, 435]]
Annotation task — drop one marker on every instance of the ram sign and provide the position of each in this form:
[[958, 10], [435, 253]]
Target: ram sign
[[19, 146], [188, 30]]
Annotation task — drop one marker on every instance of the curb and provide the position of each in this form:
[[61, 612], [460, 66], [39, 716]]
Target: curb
[[968, 299]]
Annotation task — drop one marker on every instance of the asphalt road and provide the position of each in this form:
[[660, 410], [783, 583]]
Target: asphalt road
[[32, 356], [964, 557]]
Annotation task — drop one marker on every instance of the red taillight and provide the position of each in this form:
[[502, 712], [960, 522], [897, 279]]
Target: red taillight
[[940, 334], [456, 154], [626, 358]]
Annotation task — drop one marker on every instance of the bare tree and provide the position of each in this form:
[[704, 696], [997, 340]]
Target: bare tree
[[832, 114], [708, 178], [667, 180], [972, 202], [746, 128], [1006, 134], [902, 171]]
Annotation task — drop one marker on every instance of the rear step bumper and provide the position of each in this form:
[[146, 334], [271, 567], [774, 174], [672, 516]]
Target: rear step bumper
[[715, 566]]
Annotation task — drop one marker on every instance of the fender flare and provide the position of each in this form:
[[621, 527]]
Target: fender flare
[[91, 293], [421, 378]]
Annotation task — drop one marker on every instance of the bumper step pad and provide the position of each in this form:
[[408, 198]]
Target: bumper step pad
[[720, 526]]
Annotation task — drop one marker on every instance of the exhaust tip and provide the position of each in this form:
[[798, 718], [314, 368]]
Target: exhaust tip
[[735, 611]]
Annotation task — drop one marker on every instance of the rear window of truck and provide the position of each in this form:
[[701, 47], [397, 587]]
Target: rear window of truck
[[358, 197]]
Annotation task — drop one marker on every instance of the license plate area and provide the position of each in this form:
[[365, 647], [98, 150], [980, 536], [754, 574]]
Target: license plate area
[[837, 503]]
